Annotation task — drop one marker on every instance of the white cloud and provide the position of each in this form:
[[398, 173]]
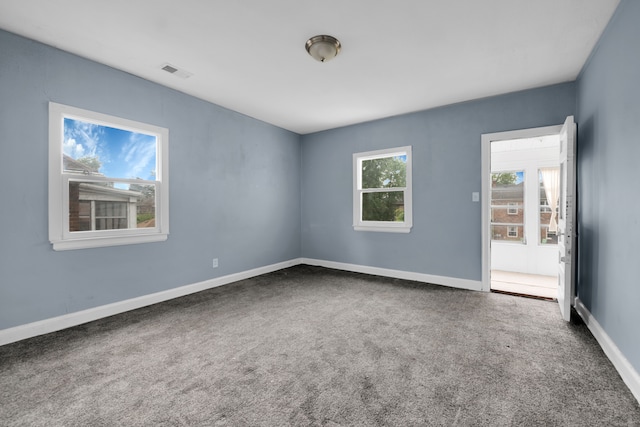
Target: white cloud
[[132, 158], [82, 139], [139, 152], [72, 149]]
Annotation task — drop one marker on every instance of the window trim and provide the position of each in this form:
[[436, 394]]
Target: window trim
[[509, 228], [512, 208], [382, 226], [59, 235]]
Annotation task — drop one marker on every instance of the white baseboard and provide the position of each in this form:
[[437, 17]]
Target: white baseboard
[[53, 324], [629, 375], [73, 319], [474, 285]]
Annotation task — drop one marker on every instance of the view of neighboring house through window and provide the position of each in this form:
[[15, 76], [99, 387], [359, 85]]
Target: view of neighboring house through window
[[94, 151], [382, 190], [507, 206], [112, 183], [549, 188]]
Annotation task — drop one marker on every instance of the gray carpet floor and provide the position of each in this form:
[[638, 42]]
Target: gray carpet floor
[[313, 346]]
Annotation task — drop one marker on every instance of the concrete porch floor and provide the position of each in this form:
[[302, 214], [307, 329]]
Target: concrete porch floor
[[526, 284]]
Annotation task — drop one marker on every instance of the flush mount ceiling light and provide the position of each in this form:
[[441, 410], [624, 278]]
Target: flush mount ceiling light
[[323, 48]]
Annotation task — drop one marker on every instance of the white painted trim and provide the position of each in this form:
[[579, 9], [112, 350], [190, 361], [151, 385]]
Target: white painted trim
[[485, 214], [629, 375], [485, 170], [453, 282], [383, 229], [73, 319], [66, 245], [53, 324]]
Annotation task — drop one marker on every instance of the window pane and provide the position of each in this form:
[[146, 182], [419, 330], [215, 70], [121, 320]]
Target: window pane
[[507, 206], [547, 220], [387, 172], [111, 205], [84, 216], [383, 206], [509, 233], [91, 149], [146, 205]]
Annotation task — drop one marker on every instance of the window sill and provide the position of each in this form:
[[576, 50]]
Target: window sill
[[382, 229], [71, 244]]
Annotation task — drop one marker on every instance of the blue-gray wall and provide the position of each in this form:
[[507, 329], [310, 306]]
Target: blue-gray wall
[[608, 115], [234, 188], [446, 236], [252, 194]]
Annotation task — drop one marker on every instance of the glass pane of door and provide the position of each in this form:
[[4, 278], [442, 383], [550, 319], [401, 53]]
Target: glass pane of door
[[548, 209], [507, 206]]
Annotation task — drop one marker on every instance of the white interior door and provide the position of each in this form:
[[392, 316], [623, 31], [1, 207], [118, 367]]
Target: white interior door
[[567, 218]]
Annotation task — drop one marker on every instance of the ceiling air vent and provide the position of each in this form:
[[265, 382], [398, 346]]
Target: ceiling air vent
[[172, 69], [169, 69]]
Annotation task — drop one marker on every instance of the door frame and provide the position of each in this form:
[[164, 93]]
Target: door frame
[[486, 140]]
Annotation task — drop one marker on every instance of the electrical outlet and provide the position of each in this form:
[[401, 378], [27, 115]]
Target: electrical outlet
[[215, 263]]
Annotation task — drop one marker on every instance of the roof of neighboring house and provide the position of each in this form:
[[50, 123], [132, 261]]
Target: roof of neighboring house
[[70, 164], [97, 188], [507, 191], [73, 166], [511, 191]]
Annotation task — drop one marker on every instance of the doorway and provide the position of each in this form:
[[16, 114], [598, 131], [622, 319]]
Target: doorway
[[519, 215], [498, 229], [523, 215]]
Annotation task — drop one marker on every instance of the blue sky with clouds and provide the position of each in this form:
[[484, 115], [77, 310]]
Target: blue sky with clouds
[[123, 154]]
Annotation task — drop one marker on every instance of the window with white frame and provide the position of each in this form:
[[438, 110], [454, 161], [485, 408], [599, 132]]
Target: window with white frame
[[108, 180], [512, 231], [512, 208], [382, 190]]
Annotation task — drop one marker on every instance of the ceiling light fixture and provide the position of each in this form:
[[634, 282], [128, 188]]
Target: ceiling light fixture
[[323, 48]]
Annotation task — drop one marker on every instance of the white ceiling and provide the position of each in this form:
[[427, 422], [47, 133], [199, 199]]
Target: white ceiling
[[398, 56]]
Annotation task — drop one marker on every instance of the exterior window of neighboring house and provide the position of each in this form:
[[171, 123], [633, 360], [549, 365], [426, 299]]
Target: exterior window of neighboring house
[[507, 206], [382, 190], [108, 180], [110, 215]]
